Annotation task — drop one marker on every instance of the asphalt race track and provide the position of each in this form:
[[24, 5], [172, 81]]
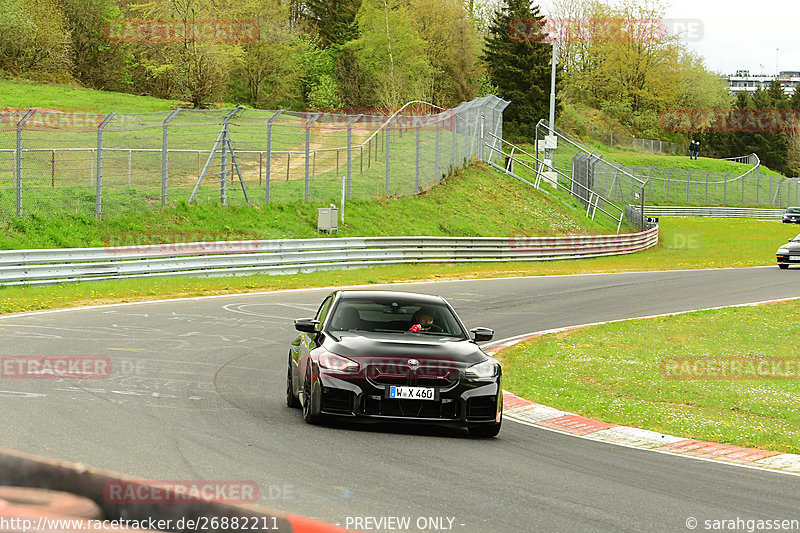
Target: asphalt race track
[[197, 393]]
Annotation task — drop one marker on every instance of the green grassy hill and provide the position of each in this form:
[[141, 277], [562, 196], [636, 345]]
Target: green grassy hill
[[627, 157], [68, 98], [476, 201]]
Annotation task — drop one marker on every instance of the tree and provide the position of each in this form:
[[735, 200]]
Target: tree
[[794, 101], [793, 156], [391, 54], [519, 68], [96, 61], [452, 49], [320, 88], [34, 40], [197, 67], [334, 20], [270, 66]]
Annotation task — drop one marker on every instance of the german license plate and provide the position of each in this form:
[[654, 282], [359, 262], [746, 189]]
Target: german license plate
[[794, 258], [412, 393]]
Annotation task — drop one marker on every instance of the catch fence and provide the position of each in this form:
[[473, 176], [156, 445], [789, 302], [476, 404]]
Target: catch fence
[[110, 163]]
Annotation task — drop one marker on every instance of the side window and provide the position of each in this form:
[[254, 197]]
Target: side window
[[322, 314]]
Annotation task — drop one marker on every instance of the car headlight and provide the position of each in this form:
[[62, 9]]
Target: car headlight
[[784, 251], [486, 369], [338, 363]]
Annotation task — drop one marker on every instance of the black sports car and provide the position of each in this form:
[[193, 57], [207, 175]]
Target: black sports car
[[393, 356], [789, 254]]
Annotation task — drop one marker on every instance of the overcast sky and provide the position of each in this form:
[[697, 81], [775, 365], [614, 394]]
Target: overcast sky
[[740, 34]]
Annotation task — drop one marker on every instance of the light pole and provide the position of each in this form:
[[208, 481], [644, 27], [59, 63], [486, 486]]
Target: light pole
[[549, 152], [554, 61]]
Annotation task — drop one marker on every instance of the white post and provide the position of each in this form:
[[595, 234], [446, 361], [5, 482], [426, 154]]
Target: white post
[[344, 191]]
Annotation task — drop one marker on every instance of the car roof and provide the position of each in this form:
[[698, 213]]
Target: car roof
[[422, 298]]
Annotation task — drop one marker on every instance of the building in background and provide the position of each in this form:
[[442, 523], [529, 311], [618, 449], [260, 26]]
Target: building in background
[[743, 81]]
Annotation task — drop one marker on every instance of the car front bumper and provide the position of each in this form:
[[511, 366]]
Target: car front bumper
[[788, 259], [463, 403]]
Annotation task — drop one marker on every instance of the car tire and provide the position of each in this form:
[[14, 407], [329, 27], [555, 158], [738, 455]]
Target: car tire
[[486, 430], [291, 399], [783, 267], [308, 401]]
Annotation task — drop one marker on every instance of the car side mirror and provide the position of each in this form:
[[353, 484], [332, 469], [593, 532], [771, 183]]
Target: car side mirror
[[307, 325], [481, 334]]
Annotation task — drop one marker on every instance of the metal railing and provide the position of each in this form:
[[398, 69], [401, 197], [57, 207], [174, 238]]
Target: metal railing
[[575, 167], [750, 159], [41, 267], [96, 163], [518, 162], [652, 146], [746, 187], [623, 184], [727, 212]]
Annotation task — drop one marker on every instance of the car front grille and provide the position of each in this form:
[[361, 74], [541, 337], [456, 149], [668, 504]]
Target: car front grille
[[446, 409], [423, 376], [337, 401], [482, 408]]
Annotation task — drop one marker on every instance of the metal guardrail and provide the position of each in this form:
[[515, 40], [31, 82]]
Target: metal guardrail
[[206, 259], [730, 212]]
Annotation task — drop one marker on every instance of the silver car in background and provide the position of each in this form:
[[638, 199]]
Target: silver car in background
[[792, 214]]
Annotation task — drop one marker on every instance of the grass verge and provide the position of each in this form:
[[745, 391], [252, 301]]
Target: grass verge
[[626, 373], [685, 243], [475, 201]]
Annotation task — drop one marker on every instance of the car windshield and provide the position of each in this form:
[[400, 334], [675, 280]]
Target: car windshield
[[393, 315], [793, 210]]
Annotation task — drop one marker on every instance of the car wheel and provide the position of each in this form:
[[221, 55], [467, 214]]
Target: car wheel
[[291, 399], [783, 266], [487, 430], [308, 401]]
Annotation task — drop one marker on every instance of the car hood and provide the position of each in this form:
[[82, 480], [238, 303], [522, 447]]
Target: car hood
[[791, 246], [377, 346]]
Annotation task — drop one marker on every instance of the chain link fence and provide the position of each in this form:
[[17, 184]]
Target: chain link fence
[[745, 186], [570, 165], [116, 162], [651, 146]]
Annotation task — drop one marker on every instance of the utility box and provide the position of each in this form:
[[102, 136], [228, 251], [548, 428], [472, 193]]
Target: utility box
[[550, 142], [328, 219]]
